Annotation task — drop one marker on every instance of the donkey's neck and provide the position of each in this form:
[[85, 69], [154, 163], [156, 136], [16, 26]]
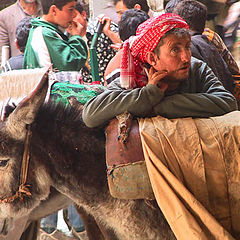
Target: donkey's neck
[[73, 154]]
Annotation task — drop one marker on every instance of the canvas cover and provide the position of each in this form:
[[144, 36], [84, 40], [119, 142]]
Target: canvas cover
[[194, 169]]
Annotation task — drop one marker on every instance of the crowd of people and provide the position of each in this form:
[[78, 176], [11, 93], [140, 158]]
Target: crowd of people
[[169, 63]]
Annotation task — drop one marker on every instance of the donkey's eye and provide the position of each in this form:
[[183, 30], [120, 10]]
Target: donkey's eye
[[3, 163]]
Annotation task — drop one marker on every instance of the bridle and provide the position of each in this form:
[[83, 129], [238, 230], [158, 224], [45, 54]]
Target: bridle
[[23, 189]]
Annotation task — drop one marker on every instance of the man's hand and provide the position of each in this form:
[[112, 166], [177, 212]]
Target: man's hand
[[75, 28], [155, 78], [104, 19], [107, 29]]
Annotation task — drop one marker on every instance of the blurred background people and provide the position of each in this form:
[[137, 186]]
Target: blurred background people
[[48, 46], [10, 17], [109, 41], [214, 38], [22, 32], [232, 30], [195, 14], [128, 24]]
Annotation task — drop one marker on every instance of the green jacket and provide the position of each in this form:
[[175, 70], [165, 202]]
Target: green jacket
[[47, 44], [201, 95]]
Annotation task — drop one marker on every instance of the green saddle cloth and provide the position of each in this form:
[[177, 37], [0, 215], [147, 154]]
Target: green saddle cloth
[[61, 92]]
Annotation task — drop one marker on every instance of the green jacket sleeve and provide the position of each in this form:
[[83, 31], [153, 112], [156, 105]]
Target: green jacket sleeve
[[66, 55]]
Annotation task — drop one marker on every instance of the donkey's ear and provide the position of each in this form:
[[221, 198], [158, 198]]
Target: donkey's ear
[[27, 109]]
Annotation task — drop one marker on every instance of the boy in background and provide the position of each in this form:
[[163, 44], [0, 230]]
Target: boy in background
[[47, 45], [127, 26]]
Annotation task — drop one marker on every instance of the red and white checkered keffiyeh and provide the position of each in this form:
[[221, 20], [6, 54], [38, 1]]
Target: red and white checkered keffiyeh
[[136, 47]]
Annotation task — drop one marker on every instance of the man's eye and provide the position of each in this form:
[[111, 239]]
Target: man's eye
[[3, 163]]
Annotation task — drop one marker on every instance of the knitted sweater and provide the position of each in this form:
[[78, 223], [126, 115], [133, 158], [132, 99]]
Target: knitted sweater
[[201, 95]]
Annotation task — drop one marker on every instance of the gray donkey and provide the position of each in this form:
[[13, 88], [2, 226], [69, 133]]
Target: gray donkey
[[47, 145]]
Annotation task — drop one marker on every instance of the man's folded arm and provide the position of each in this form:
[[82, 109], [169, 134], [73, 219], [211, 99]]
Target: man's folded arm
[[209, 97], [114, 101], [196, 105]]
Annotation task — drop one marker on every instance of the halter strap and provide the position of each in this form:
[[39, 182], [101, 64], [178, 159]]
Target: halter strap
[[23, 189]]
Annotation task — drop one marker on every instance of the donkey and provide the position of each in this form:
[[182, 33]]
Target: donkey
[[46, 145]]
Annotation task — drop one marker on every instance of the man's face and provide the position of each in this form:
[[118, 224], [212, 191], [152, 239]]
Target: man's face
[[65, 16], [120, 9], [174, 57]]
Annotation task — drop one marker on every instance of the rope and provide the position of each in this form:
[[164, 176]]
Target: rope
[[23, 189]]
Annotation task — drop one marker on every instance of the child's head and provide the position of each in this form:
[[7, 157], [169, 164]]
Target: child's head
[[82, 13], [130, 21], [82, 7], [59, 12], [22, 32], [46, 4], [138, 4], [171, 5]]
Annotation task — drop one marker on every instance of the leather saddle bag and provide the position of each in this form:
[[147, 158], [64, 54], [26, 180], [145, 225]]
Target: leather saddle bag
[[127, 173]]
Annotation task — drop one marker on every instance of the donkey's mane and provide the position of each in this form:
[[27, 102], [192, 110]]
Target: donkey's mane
[[60, 112], [64, 120], [52, 109], [67, 145]]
